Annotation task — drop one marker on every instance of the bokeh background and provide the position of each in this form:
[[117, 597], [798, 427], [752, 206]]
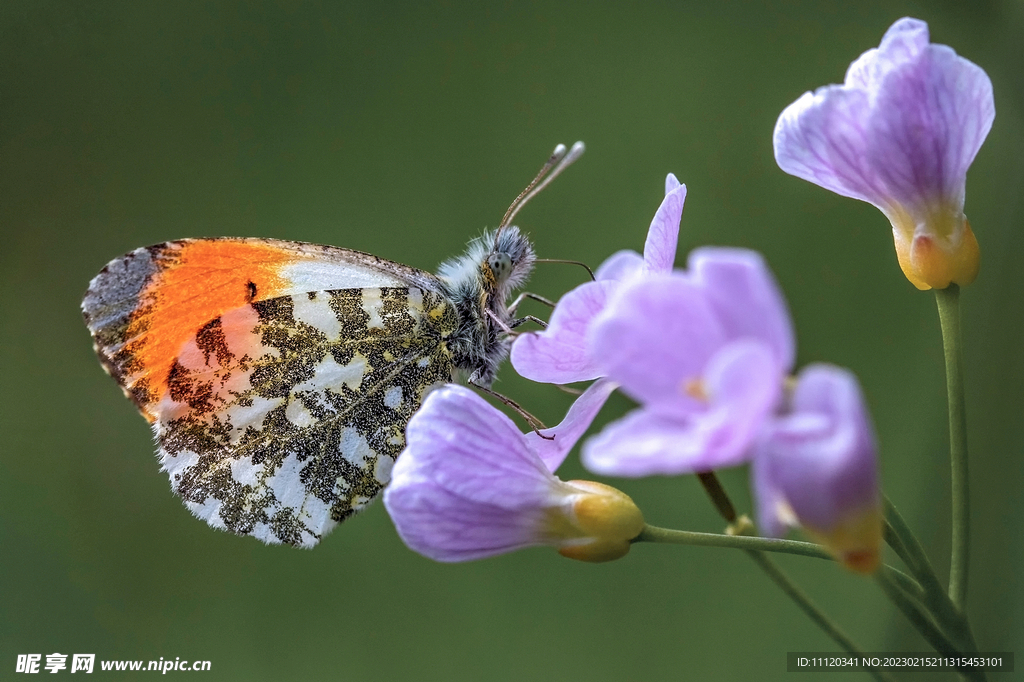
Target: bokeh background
[[404, 129]]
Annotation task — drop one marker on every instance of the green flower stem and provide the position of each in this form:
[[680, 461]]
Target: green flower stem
[[894, 541], [922, 621], [948, 301], [812, 611], [905, 582], [685, 537], [917, 615], [903, 541], [906, 593], [748, 542]]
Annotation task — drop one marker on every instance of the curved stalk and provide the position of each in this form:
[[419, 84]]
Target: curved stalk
[[948, 301], [749, 542], [903, 541]]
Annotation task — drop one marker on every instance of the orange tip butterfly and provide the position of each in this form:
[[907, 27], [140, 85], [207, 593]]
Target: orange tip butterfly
[[279, 376]]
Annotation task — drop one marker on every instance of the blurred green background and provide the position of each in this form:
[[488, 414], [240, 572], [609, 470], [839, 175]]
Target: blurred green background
[[403, 129]]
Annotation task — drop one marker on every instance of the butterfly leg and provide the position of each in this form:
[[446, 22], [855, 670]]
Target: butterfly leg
[[534, 423], [525, 295], [528, 318]]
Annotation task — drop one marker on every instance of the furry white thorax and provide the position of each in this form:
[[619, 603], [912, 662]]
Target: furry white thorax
[[479, 281]]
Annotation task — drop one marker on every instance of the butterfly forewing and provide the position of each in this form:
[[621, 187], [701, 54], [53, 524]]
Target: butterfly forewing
[[144, 306]]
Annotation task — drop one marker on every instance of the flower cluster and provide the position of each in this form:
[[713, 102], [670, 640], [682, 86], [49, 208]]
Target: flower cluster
[[708, 353]]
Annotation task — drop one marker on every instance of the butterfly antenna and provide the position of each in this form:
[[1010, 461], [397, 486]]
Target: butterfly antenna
[[569, 262], [560, 159], [555, 157]]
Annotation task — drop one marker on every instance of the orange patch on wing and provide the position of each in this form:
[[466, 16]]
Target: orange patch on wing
[[206, 279]]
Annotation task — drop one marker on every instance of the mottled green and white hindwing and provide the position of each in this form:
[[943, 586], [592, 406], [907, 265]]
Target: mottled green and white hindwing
[[284, 416]]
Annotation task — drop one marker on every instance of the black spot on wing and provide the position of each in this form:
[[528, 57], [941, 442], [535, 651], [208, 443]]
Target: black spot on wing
[[211, 341], [184, 387]]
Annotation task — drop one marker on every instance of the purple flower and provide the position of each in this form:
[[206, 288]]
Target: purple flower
[[816, 467], [705, 352], [899, 133], [559, 354], [470, 485]]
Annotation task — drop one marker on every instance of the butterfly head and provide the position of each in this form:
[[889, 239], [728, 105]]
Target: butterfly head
[[510, 260], [494, 264], [479, 282]]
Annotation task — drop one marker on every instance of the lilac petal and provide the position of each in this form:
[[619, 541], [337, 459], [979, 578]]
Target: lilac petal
[[577, 421], [643, 443], [473, 450], [743, 383], [470, 485], [620, 266], [904, 41], [446, 527], [821, 458], [746, 298], [663, 235], [821, 138], [930, 119], [654, 336], [559, 354], [900, 133]]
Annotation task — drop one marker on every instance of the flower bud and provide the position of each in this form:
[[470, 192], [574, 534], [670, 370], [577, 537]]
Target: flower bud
[[597, 522], [938, 254]]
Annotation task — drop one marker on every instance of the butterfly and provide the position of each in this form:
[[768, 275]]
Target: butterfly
[[278, 376]]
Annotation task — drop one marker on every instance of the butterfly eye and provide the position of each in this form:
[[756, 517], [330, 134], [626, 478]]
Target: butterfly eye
[[501, 265]]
